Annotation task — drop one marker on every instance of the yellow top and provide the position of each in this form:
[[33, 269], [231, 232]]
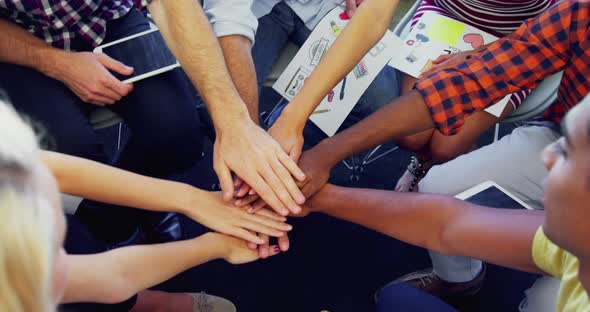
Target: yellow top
[[564, 266]]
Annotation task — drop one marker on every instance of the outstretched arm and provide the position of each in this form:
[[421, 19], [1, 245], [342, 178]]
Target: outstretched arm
[[116, 275], [241, 147], [92, 180], [368, 25], [440, 223]]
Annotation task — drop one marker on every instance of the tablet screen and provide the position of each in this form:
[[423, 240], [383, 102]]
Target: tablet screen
[[145, 54], [494, 197]]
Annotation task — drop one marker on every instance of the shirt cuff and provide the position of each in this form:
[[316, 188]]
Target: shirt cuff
[[222, 29]]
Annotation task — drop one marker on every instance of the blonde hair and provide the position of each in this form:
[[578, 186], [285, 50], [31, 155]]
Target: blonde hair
[[28, 231]]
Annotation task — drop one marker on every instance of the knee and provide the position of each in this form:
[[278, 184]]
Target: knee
[[443, 150], [441, 154]]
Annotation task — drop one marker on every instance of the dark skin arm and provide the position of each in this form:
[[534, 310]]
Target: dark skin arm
[[440, 223], [404, 116]]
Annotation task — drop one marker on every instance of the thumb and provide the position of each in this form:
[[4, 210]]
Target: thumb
[[295, 153], [225, 181], [114, 65]]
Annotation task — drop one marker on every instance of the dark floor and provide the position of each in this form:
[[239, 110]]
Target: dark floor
[[332, 265]]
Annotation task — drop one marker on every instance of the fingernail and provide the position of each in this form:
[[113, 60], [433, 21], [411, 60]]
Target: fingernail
[[296, 209], [239, 202], [285, 212], [276, 249], [300, 199], [250, 210], [288, 227]]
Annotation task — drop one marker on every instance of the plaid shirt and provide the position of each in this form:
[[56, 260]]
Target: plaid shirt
[[553, 41], [59, 22]]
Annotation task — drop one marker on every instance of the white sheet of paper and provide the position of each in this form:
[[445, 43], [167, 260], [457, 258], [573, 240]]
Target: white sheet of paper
[[435, 35], [334, 108]]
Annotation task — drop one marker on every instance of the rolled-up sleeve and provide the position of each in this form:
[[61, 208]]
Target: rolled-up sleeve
[[538, 49], [231, 17]]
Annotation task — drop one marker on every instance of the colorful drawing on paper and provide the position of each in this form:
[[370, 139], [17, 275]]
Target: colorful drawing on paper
[[360, 70], [475, 40], [296, 82], [335, 29], [342, 89], [377, 49], [317, 51], [446, 30]]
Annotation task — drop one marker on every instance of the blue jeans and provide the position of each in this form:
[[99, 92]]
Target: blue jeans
[[282, 25], [160, 112], [405, 298]]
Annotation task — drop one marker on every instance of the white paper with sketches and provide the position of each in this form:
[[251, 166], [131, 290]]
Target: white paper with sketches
[[338, 103], [435, 35]]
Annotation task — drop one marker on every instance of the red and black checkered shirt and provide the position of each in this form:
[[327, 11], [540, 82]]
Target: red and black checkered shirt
[[58, 22], [556, 40]]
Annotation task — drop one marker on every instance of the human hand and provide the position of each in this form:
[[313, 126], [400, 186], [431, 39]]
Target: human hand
[[317, 173], [289, 137], [265, 250], [236, 251], [254, 156], [446, 61], [87, 75], [210, 210]]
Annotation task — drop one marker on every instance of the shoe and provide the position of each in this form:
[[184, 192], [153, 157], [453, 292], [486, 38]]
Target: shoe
[[203, 302], [427, 281]]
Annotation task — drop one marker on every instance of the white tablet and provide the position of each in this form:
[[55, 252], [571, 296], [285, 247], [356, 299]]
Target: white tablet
[[491, 194], [142, 51]]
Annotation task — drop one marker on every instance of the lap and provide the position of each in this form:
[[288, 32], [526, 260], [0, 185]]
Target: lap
[[513, 162]]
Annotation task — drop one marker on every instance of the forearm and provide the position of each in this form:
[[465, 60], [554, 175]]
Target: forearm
[[189, 36], [18, 46], [404, 116], [364, 30], [440, 223], [238, 57], [92, 180], [120, 273]]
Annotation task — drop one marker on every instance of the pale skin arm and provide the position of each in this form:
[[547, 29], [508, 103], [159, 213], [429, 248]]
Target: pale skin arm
[[238, 57], [118, 274], [241, 147], [365, 29], [440, 223], [85, 73], [92, 180]]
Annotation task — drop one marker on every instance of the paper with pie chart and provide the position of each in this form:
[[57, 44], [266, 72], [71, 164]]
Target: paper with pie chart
[[435, 35], [339, 102]]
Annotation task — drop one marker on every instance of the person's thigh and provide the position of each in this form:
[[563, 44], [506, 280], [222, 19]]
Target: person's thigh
[[162, 114], [514, 162], [444, 148], [59, 113], [271, 37], [402, 297]]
